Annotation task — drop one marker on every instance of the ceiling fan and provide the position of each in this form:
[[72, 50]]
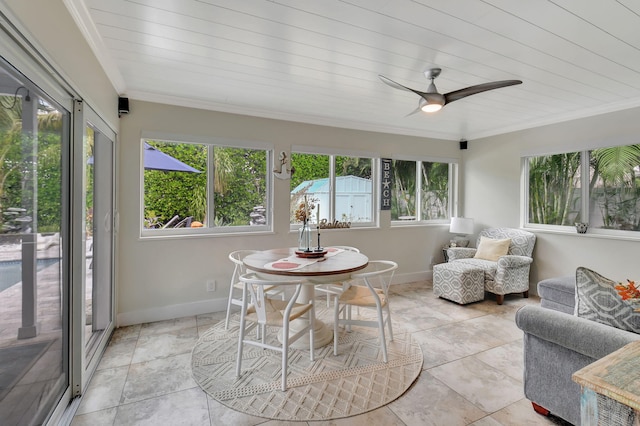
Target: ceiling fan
[[432, 101]]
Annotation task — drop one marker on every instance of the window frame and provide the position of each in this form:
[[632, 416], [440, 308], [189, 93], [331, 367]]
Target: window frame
[[336, 152], [453, 189], [209, 229], [585, 156]]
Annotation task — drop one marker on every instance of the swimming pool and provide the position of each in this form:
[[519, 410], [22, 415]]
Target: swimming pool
[[11, 271]]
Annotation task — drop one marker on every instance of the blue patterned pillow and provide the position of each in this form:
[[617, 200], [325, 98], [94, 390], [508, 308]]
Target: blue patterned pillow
[[597, 300]]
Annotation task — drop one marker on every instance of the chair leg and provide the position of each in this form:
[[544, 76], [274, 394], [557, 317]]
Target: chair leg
[[312, 332], [500, 298], [525, 294], [226, 320], [285, 353], [389, 323], [241, 332], [336, 317], [383, 342]]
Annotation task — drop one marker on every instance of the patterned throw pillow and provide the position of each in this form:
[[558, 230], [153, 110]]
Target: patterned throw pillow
[[597, 300]]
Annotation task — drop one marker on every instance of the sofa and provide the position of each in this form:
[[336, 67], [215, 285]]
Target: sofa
[[557, 344]]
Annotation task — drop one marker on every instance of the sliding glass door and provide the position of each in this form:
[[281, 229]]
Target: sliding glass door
[[97, 241], [34, 290], [57, 204]]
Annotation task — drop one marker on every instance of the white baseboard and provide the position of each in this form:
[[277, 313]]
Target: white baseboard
[[220, 305], [412, 277], [172, 311]]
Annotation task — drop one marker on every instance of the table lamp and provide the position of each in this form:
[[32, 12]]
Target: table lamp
[[462, 226]]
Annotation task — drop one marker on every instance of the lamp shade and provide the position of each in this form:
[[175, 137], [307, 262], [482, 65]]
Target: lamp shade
[[461, 225]]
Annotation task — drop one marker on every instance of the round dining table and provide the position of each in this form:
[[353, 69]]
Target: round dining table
[[332, 268]]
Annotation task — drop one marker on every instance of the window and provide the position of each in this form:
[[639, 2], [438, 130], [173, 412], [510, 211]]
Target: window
[[421, 190], [190, 186], [341, 184], [600, 187], [554, 189]]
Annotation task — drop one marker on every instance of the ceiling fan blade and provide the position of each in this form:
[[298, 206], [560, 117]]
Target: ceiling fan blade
[[414, 112], [478, 88], [393, 84], [399, 86]]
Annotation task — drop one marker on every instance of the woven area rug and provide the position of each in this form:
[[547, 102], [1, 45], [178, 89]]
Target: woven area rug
[[331, 387]]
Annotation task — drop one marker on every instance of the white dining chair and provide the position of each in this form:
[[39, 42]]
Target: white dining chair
[[235, 287], [367, 289], [334, 289], [265, 311]]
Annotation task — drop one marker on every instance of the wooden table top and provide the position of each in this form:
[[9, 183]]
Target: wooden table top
[[341, 263], [616, 375]]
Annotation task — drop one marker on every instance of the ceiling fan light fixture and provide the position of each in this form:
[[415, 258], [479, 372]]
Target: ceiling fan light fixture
[[430, 106]]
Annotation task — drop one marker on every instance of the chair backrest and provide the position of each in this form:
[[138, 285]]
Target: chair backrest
[[522, 242], [237, 258], [254, 287], [378, 273]]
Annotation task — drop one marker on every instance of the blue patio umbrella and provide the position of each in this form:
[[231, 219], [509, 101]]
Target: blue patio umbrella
[[154, 159]]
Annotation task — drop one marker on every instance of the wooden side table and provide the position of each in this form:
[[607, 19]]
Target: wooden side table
[[611, 388]]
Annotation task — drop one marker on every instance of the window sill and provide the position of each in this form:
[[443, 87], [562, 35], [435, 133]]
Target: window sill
[[408, 224], [154, 236], [598, 233]]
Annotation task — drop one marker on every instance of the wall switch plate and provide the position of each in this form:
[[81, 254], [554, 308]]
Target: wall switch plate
[[211, 285]]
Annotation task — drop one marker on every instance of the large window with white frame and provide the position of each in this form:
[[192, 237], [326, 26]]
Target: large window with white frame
[[422, 190], [341, 183], [193, 187], [600, 187]]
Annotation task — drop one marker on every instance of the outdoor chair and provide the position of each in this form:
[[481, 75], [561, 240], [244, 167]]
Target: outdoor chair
[[367, 289], [265, 312]]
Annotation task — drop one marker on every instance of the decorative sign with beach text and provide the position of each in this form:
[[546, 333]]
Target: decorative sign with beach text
[[385, 184]]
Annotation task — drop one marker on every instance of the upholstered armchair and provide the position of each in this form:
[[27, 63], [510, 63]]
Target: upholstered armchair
[[508, 273]]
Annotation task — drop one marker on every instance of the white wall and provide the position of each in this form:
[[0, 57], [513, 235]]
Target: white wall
[[48, 24], [492, 193], [166, 278]]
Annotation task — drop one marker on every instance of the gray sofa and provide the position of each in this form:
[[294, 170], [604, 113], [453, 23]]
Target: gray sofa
[[557, 344]]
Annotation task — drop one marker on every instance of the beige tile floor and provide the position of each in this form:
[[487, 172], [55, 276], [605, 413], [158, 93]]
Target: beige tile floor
[[472, 372]]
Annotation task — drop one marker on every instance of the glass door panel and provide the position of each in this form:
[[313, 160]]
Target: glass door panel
[[34, 291], [98, 240]]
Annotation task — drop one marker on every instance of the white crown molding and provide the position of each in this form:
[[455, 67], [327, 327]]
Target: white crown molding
[[80, 15], [277, 115]]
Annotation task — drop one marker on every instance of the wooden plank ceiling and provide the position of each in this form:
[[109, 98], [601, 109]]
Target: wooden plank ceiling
[[319, 61]]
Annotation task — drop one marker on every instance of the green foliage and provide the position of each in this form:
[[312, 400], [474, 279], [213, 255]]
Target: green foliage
[[308, 167], [239, 185], [353, 166], [435, 191], [15, 167], [615, 186], [403, 197], [170, 193], [245, 188], [553, 199]]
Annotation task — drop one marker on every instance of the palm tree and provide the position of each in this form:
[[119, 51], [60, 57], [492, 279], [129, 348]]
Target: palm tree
[[615, 185], [552, 189]]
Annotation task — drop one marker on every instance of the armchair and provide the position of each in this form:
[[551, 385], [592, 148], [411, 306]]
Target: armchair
[[509, 273]]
